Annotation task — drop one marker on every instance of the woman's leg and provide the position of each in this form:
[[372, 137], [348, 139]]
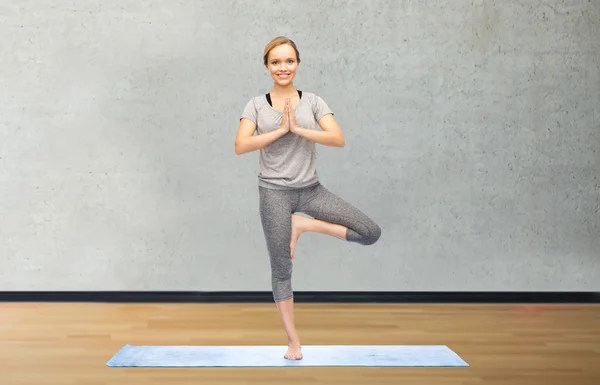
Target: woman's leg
[[332, 215], [302, 224], [276, 208]]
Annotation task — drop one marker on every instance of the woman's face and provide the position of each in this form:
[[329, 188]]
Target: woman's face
[[282, 64]]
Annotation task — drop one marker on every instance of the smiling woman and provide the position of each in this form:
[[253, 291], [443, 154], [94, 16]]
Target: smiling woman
[[286, 121], [282, 50]]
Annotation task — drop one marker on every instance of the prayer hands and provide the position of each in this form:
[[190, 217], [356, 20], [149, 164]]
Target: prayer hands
[[285, 120], [288, 122], [294, 127]]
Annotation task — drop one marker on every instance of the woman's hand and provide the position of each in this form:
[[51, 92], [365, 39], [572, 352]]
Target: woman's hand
[[294, 127], [285, 120]]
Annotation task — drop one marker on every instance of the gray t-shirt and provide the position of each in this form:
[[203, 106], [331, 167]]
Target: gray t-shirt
[[290, 161]]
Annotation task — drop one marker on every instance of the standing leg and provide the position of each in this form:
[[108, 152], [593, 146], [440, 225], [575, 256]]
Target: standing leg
[[276, 209], [333, 216]]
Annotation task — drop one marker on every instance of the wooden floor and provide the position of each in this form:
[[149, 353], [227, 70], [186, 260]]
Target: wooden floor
[[504, 344]]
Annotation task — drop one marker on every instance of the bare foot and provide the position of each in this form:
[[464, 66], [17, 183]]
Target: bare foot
[[297, 230], [294, 352]]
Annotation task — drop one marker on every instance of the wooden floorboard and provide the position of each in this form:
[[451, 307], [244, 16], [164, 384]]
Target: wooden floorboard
[[58, 343]]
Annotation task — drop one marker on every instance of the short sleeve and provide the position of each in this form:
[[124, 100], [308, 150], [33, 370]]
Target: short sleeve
[[320, 108], [250, 111]]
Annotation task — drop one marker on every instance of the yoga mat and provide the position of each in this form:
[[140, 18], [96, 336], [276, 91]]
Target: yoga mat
[[272, 356]]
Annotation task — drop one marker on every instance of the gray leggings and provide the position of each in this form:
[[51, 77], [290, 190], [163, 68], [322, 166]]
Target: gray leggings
[[276, 209]]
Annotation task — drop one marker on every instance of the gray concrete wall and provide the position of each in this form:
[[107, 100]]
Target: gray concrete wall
[[472, 127]]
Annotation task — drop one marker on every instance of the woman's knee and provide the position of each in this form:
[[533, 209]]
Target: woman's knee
[[372, 235], [282, 285]]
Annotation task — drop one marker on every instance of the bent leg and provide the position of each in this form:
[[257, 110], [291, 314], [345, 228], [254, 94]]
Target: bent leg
[[326, 206]]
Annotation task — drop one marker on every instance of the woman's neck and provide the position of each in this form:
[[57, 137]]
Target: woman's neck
[[284, 91]]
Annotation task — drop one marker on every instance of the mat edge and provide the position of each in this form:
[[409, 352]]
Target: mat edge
[[114, 357]]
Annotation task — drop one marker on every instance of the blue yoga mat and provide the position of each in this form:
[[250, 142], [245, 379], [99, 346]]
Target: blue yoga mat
[[272, 356]]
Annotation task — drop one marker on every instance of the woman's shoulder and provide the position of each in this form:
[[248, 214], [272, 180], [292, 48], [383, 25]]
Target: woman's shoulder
[[315, 100], [309, 95], [257, 98], [312, 96], [257, 101], [260, 101]]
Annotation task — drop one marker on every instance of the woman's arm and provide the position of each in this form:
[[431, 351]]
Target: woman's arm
[[246, 141], [331, 134]]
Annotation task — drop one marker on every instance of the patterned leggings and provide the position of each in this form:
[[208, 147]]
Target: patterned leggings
[[276, 209]]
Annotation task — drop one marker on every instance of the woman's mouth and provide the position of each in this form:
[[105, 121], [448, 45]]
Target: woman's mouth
[[283, 76]]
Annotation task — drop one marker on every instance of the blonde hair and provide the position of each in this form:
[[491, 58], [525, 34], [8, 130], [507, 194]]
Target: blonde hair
[[279, 40]]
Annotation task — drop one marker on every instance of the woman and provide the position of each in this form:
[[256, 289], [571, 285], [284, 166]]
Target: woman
[[286, 120]]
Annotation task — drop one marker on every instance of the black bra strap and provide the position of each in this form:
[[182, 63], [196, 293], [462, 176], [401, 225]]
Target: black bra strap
[[268, 96]]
